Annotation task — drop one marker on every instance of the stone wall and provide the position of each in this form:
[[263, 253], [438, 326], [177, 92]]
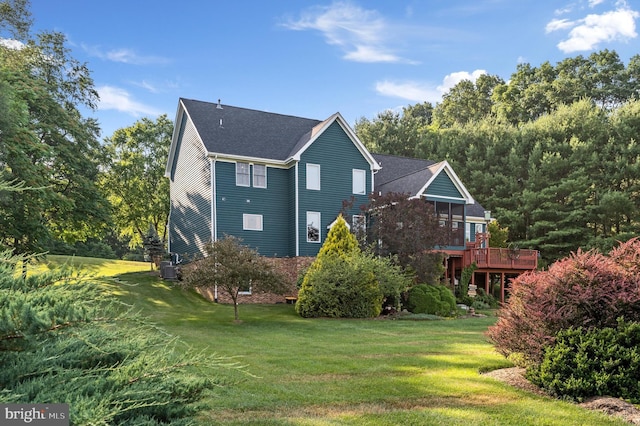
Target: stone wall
[[290, 267]]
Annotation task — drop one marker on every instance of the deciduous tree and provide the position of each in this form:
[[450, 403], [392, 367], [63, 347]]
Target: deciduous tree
[[232, 268], [408, 229], [45, 142], [133, 179]]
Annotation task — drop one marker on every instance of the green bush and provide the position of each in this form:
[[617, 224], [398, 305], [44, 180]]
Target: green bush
[[63, 339], [595, 362], [341, 288], [431, 299], [483, 300]]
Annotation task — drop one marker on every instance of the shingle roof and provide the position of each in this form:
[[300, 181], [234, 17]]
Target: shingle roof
[[401, 174], [249, 133], [409, 175]]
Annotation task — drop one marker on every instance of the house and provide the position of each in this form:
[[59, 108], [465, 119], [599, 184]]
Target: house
[[278, 182]]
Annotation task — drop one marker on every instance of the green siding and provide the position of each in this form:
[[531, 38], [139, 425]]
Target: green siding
[[190, 186], [271, 202], [337, 157], [443, 186]]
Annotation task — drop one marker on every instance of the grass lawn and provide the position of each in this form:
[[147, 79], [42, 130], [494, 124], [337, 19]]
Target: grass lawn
[[339, 372]]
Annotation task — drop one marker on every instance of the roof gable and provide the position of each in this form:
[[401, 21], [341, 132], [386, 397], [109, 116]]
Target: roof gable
[[241, 132], [313, 135], [414, 176], [453, 182]]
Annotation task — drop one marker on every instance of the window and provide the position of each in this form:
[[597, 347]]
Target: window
[[245, 289], [313, 176], [359, 182], [242, 174], [313, 227], [259, 176], [252, 222], [359, 226]]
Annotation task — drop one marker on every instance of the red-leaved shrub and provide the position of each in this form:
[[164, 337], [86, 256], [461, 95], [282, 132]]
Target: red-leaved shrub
[[586, 289]]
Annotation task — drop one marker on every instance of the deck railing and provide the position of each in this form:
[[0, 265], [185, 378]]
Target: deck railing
[[502, 258]]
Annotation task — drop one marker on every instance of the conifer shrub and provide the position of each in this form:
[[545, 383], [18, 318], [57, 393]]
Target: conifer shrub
[[592, 362], [431, 299], [341, 288], [587, 289], [63, 340], [344, 282]]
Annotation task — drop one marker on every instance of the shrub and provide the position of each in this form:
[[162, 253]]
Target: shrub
[[484, 300], [431, 299], [595, 362], [62, 339], [341, 288], [587, 289]]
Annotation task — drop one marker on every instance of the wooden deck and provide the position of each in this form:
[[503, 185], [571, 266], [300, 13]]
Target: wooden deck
[[501, 258]]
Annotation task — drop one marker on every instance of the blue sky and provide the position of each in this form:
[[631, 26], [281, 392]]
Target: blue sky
[[314, 58]]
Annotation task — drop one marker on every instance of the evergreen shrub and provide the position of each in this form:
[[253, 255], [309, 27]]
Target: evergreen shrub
[[63, 340], [431, 299], [341, 288], [592, 362]]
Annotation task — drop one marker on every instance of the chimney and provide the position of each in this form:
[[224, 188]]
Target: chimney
[[219, 106]]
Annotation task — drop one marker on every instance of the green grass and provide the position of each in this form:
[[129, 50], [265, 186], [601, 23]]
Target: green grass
[[340, 372]]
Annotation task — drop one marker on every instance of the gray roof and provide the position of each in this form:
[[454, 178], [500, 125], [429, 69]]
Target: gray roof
[[249, 133], [401, 174], [409, 175]]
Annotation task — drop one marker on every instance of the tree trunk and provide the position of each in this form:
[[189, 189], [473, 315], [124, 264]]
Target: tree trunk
[[235, 310]]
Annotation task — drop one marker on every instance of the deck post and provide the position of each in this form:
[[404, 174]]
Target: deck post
[[502, 287]]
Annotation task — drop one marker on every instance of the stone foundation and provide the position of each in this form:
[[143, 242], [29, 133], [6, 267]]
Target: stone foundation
[[290, 267]]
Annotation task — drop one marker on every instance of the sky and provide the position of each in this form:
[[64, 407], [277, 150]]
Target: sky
[[314, 58]]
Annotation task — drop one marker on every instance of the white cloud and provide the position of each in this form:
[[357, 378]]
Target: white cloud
[[11, 43], [420, 91], [147, 86], [409, 90], [363, 34], [121, 100], [594, 3], [558, 24], [589, 32], [454, 78], [124, 55]]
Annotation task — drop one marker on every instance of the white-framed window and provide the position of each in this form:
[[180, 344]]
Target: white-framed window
[[359, 226], [313, 176], [252, 222], [313, 227], [246, 289], [243, 177], [259, 176], [359, 181]]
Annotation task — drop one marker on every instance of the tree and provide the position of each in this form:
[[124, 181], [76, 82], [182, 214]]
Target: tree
[[62, 339], [153, 246], [133, 180], [393, 133], [408, 229], [467, 101], [232, 268], [45, 142]]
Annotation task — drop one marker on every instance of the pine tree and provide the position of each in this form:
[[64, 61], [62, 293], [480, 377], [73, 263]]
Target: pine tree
[[153, 246]]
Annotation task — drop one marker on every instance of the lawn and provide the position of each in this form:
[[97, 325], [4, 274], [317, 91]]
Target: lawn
[[300, 371]]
